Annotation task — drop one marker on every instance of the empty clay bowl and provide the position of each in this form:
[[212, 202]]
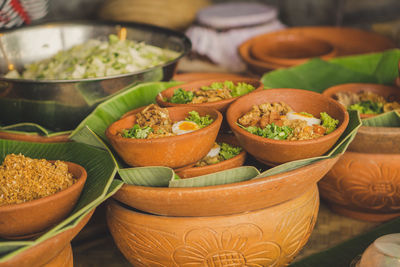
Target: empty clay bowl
[[224, 199], [364, 186], [291, 49], [34, 137], [271, 236], [54, 252], [33, 217], [234, 162], [274, 152], [195, 85], [390, 93], [173, 151]]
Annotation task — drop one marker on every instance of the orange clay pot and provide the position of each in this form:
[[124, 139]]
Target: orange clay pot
[[347, 41], [234, 162], [364, 186], [33, 217], [173, 151], [271, 236], [225, 199], [196, 85], [274, 152], [34, 137], [291, 49], [196, 76], [390, 93], [54, 252]]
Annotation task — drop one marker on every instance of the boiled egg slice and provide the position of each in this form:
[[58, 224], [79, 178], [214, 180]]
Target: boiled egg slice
[[182, 127], [310, 119], [214, 151]]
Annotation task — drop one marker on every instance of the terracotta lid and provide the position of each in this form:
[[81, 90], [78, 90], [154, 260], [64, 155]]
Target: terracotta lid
[[232, 15]]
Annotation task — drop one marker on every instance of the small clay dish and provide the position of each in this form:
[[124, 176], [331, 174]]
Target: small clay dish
[[274, 152], [30, 218], [196, 76], [290, 49], [196, 85], [173, 151], [34, 137], [236, 161], [390, 93]]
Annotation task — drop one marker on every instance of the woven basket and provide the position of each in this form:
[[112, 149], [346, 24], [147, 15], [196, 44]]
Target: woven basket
[[173, 14]]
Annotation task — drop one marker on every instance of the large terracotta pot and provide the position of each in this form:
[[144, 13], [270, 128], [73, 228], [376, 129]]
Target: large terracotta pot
[[271, 236], [54, 252]]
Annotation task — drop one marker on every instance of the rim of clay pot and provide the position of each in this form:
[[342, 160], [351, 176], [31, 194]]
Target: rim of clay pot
[[210, 111], [47, 250], [235, 127], [380, 89], [247, 195], [195, 76], [236, 161], [305, 46], [195, 86], [34, 137], [39, 204]]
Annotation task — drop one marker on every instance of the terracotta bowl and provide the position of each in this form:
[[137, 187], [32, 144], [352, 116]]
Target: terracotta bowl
[[274, 152], [54, 252], [31, 218], [271, 236], [236, 161], [34, 137], [174, 151], [195, 86], [390, 93], [291, 49], [195, 76], [224, 199], [364, 186]]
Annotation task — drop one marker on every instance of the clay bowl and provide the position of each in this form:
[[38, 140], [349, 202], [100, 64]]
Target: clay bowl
[[195, 86], [274, 152], [196, 76], [364, 186], [390, 93], [291, 49], [271, 236], [54, 252], [31, 218], [236, 161], [224, 199], [174, 151], [34, 137]]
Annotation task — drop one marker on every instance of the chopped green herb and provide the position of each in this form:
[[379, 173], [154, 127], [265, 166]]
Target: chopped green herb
[[328, 122], [228, 151], [181, 96], [272, 131], [202, 121], [137, 132], [367, 107], [306, 114]]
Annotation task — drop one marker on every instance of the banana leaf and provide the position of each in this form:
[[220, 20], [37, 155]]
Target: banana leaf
[[317, 75], [99, 166], [389, 119]]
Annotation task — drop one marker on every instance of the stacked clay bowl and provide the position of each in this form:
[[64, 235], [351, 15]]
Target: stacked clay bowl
[[54, 252], [365, 182], [261, 222], [293, 46]]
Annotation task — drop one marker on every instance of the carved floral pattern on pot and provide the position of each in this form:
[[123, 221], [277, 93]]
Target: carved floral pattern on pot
[[363, 183], [268, 237], [241, 245]]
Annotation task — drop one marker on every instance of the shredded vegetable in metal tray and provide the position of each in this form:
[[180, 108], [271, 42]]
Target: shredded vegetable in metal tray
[[96, 58]]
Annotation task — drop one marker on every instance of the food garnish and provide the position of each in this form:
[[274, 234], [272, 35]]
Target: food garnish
[[202, 121], [96, 58], [219, 152], [24, 179], [216, 91], [278, 121]]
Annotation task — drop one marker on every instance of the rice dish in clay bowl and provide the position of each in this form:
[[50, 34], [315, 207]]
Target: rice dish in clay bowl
[[213, 93], [282, 125], [172, 137]]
